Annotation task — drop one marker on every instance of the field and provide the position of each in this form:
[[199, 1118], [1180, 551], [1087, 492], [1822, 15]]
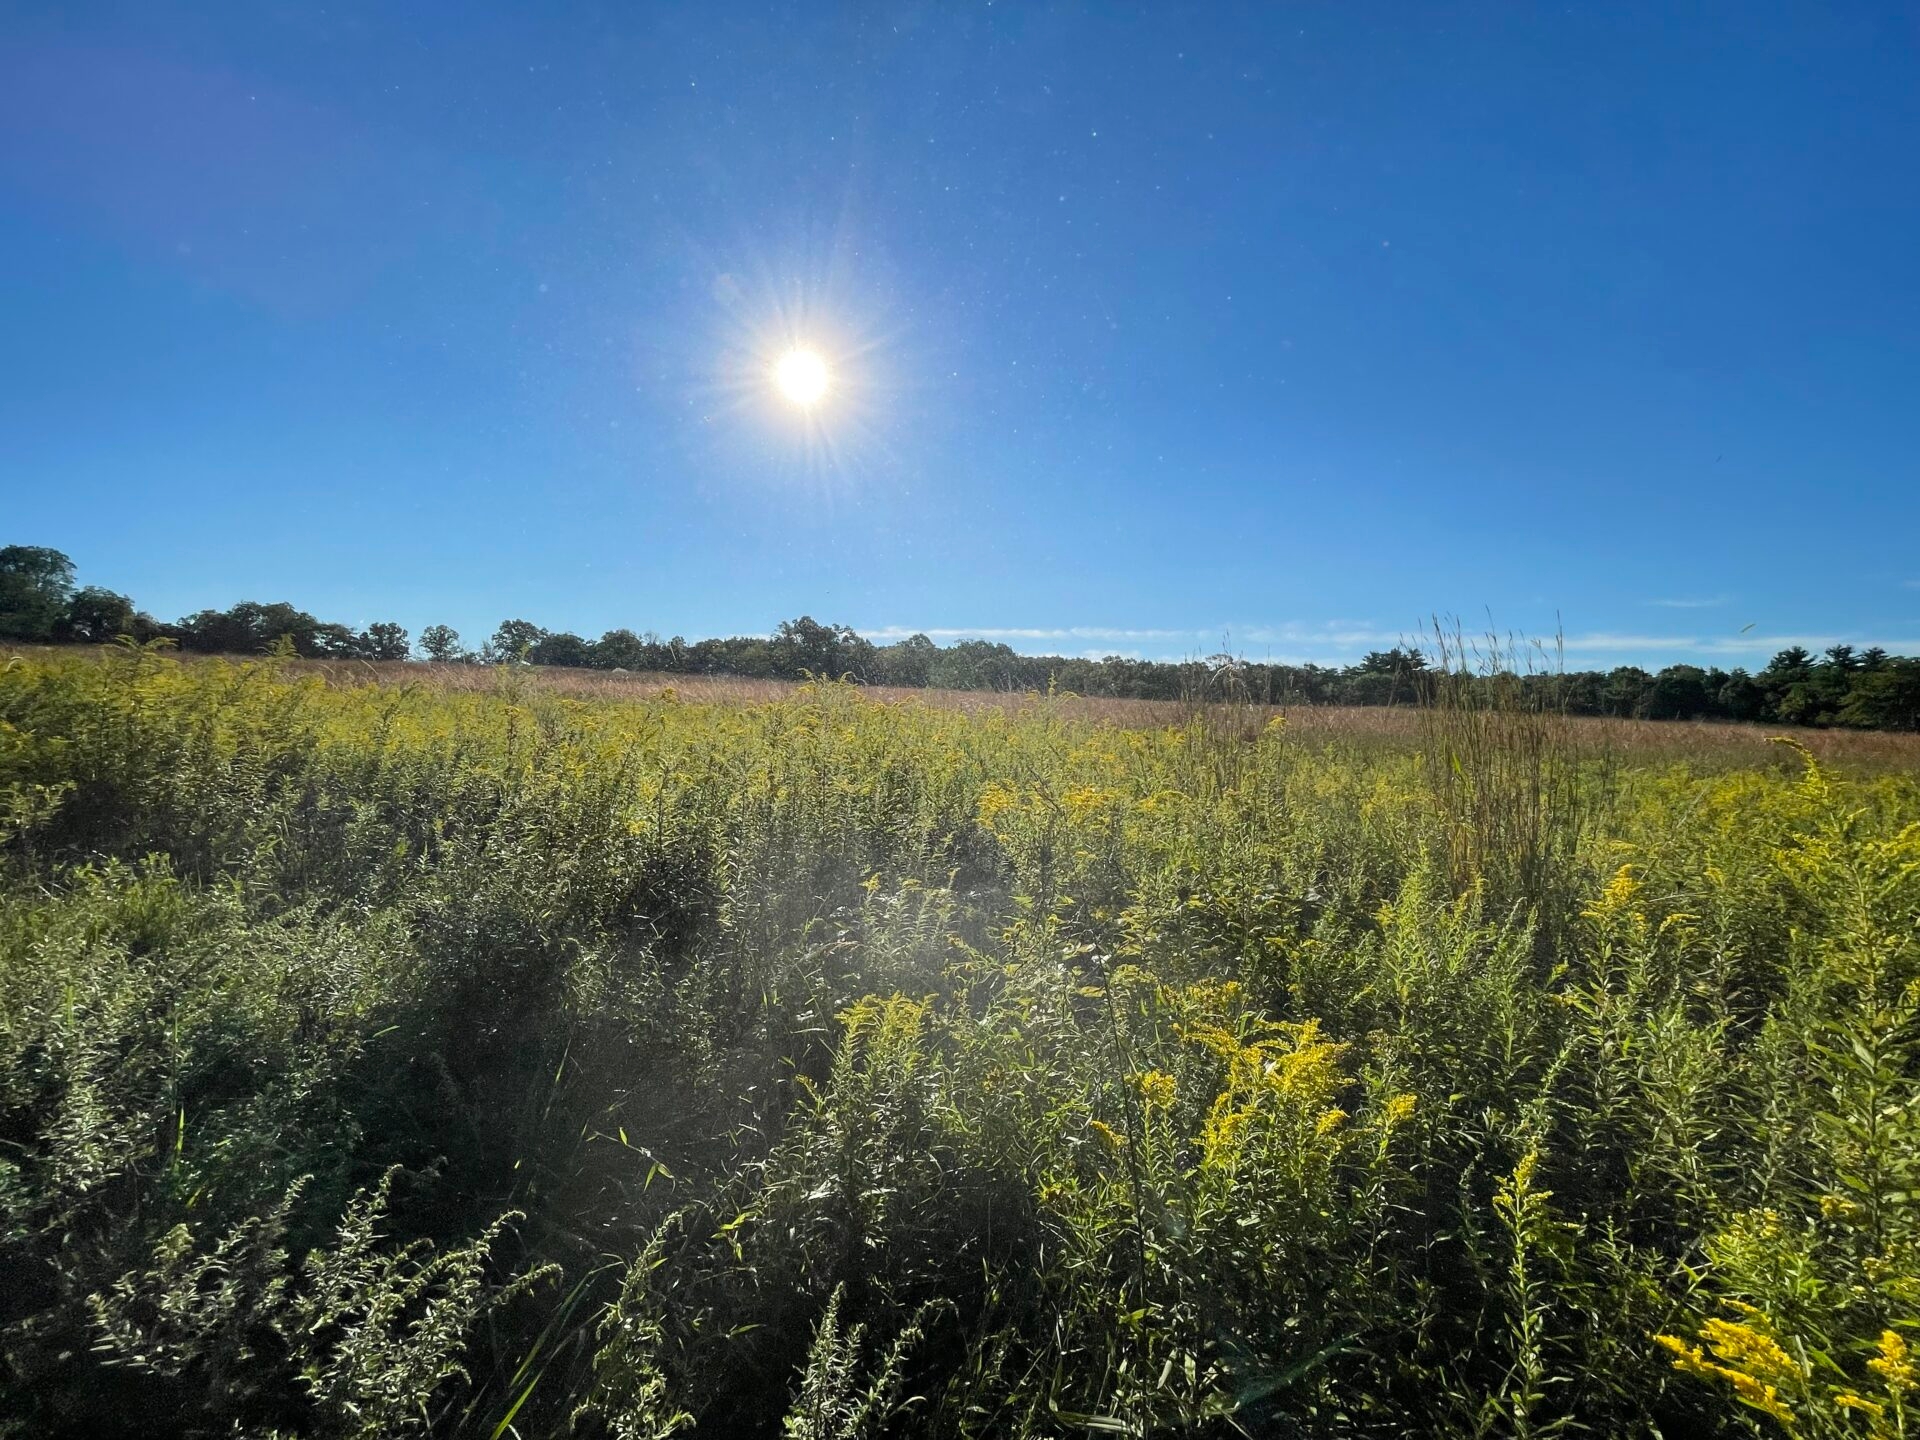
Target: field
[[472, 1052], [1701, 743]]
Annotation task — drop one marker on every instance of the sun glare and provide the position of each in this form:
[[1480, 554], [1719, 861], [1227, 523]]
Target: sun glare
[[802, 377]]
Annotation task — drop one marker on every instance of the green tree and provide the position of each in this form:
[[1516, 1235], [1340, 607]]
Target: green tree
[[620, 650], [807, 646], [513, 640], [95, 616], [907, 663], [560, 647], [1887, 697], [253, 628], [382, 640], [36, 585], [1678, 692], [442, 643], [1625, 693]]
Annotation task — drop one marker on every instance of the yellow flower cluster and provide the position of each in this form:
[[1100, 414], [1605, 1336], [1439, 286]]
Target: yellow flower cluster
[[1617, 898], [1157, 1090], [1894, 1364], [1746, 1358]]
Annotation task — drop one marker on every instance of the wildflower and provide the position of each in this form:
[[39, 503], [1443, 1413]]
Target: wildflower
[[1221, 1136], [1894, 1364], [1111, 1137], [1847, 1400], [1157, 1089], [1752, 1362], [1617, 897]]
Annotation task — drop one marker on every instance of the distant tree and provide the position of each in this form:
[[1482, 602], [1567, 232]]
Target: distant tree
[[36, 585], [1678, 692], [560, 647], [906, 663], [805, 646], [513, 640], [1872, 658], [251, 628], [1740, 698], [1788, 683], [1392, 662], [95, 616], [1841, 657], [1625, 692], [1886, 697], [442, 643], [976, 665], [382, 640], [621, 650]]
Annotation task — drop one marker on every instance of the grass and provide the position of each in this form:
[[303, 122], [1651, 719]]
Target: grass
[[1696, 743], [533, 1053]]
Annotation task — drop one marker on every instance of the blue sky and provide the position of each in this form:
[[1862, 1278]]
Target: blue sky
[[1150, 327]]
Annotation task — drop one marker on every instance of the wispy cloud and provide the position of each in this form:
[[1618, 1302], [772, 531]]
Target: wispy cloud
[[1707, 604], [889, 633], [1911, 584], [1338, 642], [1606, 642], [1336, 637]]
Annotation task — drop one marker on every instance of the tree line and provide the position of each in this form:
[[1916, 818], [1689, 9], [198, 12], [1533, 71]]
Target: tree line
[[1858, 688]]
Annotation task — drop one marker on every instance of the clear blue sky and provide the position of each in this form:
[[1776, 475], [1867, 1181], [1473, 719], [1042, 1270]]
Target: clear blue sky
[[1148, 324]]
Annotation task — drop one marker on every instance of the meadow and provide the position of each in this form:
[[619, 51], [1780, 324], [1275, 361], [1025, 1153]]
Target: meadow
[[385, 1052]]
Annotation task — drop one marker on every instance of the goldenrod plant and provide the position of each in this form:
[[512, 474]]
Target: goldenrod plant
[[484, 1059]]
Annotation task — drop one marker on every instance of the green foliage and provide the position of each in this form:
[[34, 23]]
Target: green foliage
[[441, 643], [36, 585], [377, 1060]]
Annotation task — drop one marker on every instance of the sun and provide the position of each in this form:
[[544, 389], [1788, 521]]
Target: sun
[[802, 377]]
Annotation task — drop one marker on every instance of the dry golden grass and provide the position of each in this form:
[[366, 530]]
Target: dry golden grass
[[1700, 743]]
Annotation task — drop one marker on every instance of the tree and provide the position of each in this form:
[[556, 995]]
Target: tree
[[1678, 692], [1887, 697], [806, 646], [1392, 662], [382, 640], [621, 650], [1740, 698], [560, 647], [36, 586], [442, 643], [1626, 690], [513, 640], [95, 616], [907, 663], [251, 628]]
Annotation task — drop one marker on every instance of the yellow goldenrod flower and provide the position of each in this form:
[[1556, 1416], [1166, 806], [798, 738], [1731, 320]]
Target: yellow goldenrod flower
[[1894, 1364], [1157, 1089]]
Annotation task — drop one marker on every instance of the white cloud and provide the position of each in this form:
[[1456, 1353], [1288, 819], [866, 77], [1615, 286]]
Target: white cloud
[[1341, 642], [1713, 645], [1689, 604], [886, 634]]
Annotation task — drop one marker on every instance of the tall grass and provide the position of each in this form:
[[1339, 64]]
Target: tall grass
[[492, 1059]]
